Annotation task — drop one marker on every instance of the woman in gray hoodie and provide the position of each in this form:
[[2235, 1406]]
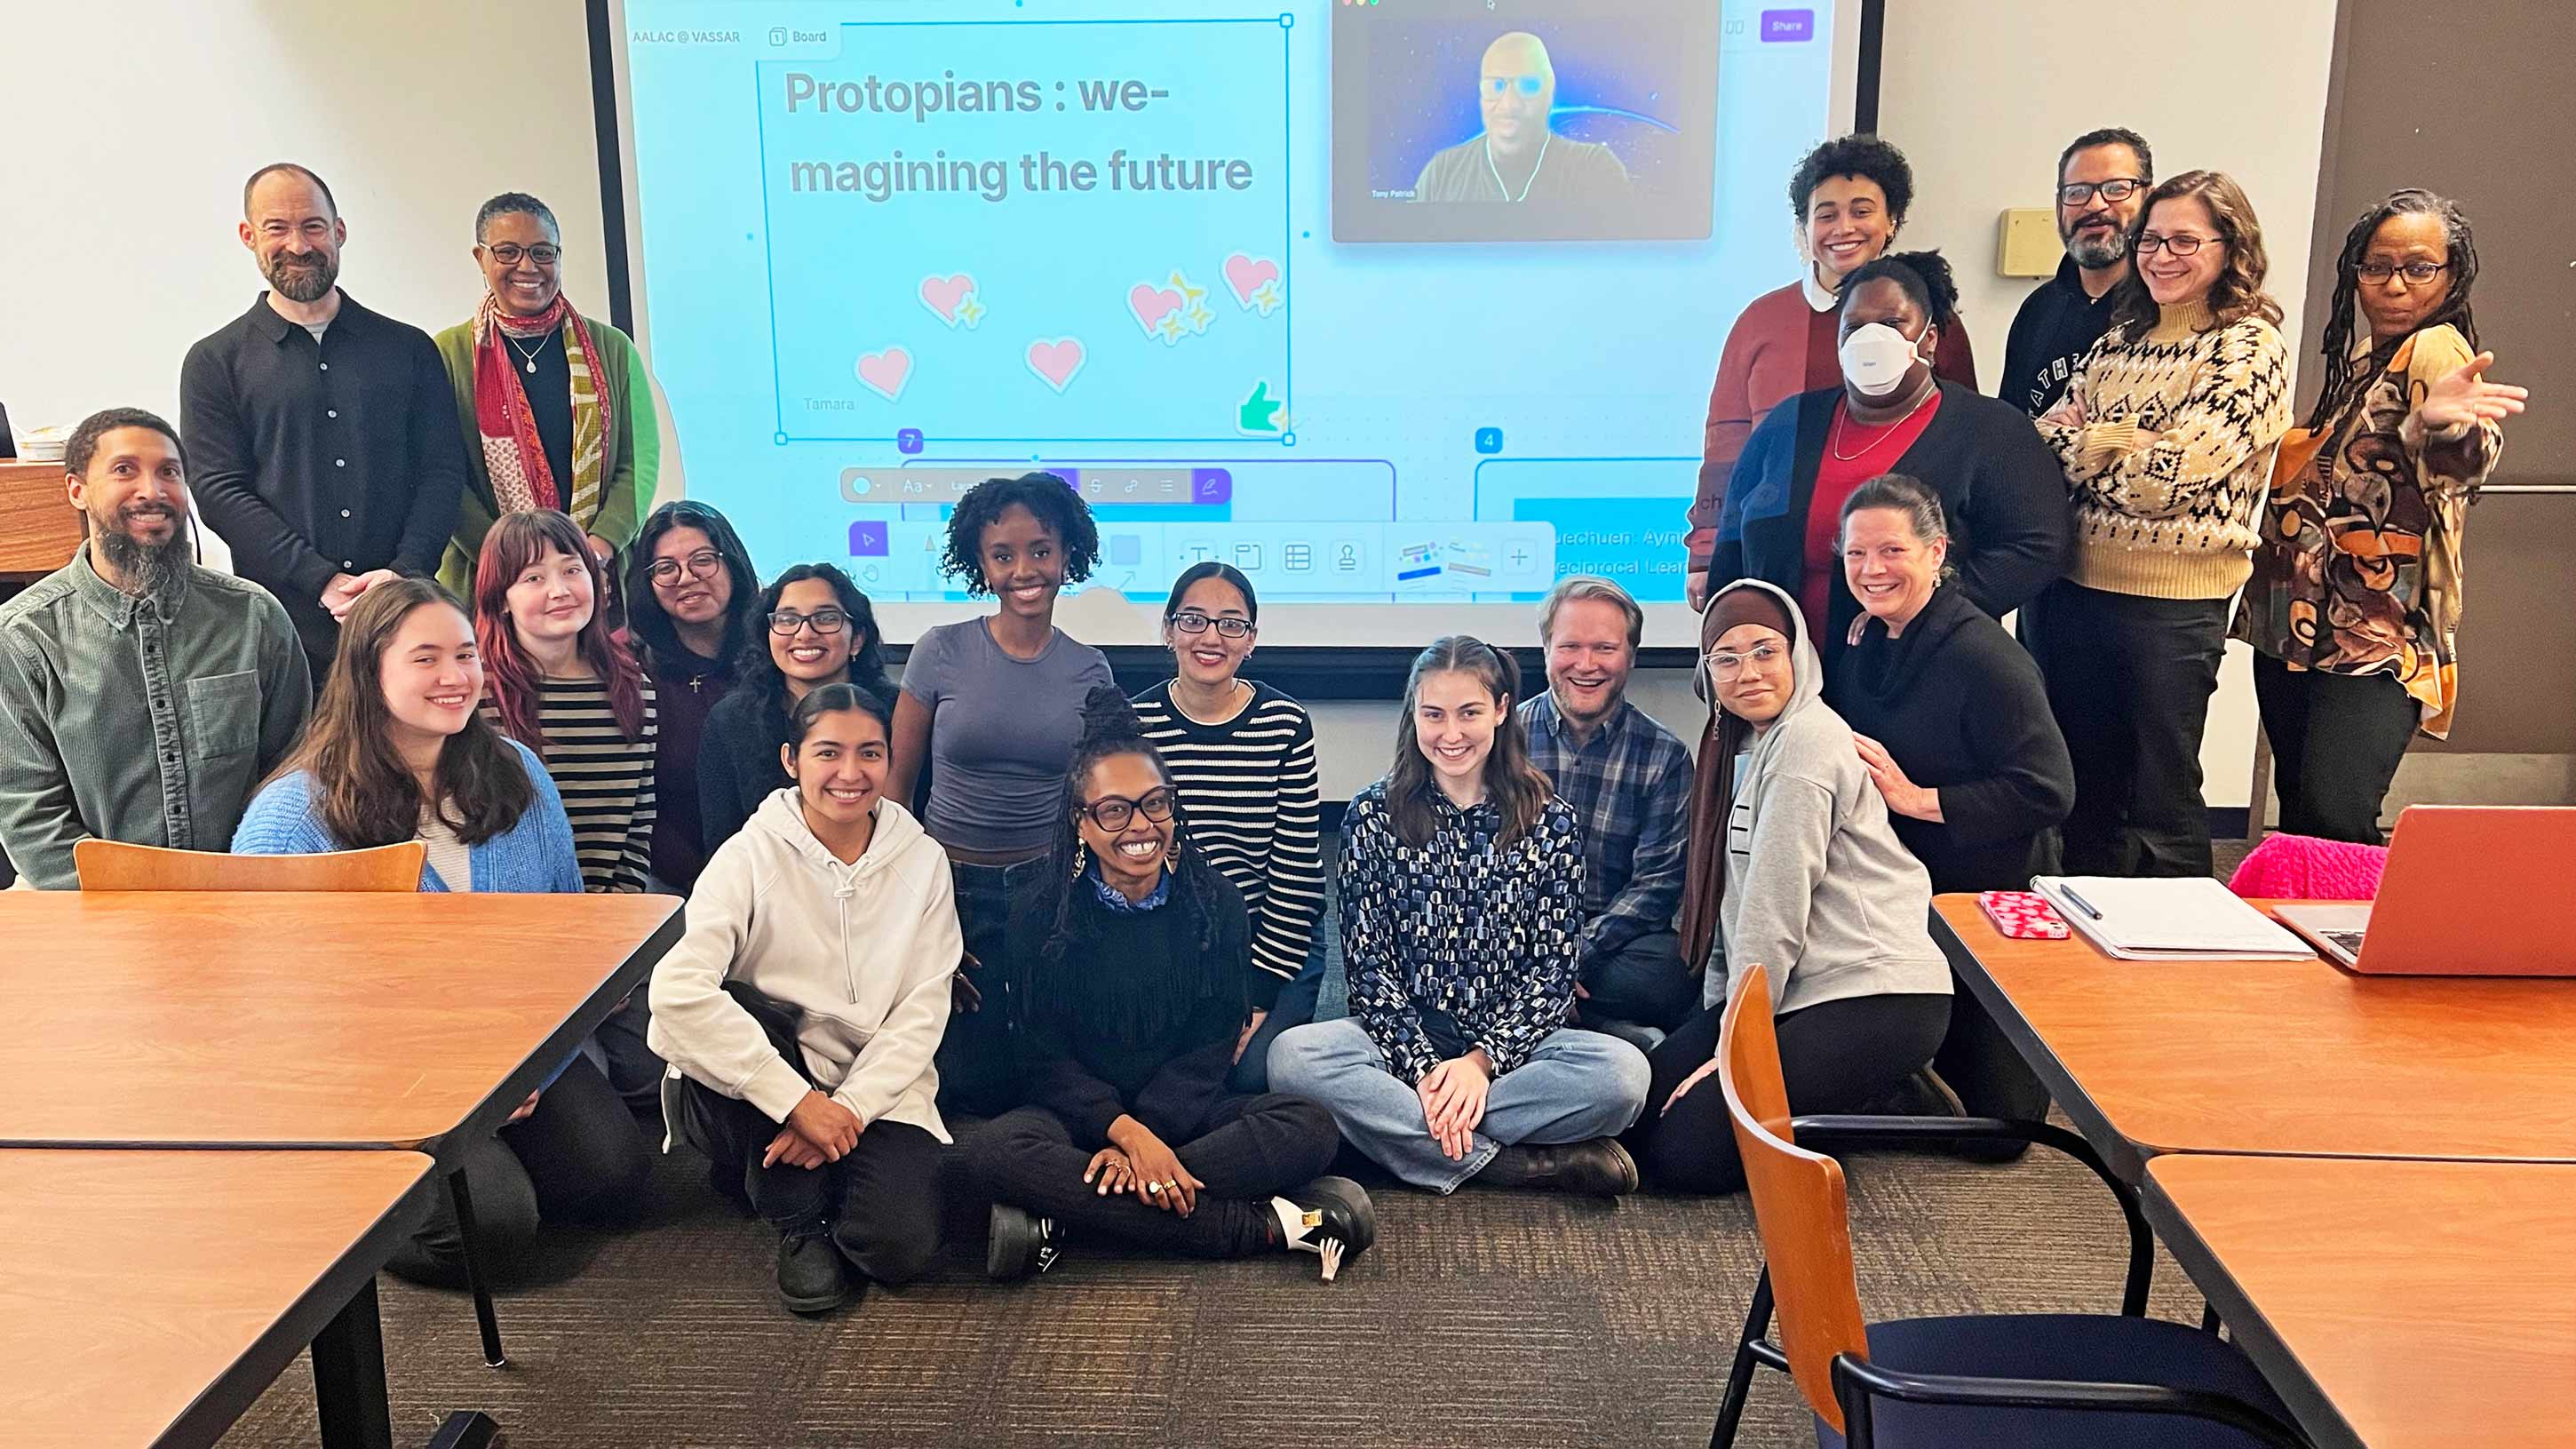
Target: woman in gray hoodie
[[1793, 864]]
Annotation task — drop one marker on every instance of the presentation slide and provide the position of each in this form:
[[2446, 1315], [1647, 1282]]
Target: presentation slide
[[1405, 307]]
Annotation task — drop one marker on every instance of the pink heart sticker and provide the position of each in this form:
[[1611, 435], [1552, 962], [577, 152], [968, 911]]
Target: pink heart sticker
[[1151, 304], [1245, 274], [885, 373], [1056, 360], [942, 294]]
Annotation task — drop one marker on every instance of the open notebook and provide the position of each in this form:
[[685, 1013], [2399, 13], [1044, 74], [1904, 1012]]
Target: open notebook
[[2191, 918]]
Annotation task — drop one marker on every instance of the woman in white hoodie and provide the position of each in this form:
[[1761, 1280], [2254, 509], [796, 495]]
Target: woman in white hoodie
[[1794, 866], [801, 1011]]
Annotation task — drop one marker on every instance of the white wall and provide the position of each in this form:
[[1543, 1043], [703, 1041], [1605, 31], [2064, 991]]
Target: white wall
[[136, 122]]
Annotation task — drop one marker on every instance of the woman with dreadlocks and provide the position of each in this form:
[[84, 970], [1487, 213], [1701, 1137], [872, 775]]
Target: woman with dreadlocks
[[1131, 970], [2354, 604]]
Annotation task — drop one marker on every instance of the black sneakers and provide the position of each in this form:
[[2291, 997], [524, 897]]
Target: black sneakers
[[1021, 1244], [809, 1272], [1337, 1222], [1598, 1168]]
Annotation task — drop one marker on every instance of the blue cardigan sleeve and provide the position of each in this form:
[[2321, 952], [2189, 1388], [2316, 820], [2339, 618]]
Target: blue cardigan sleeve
[[547, 830], [283, 819]]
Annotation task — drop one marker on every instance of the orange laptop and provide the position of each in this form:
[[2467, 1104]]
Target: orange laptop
[[2470, 890]]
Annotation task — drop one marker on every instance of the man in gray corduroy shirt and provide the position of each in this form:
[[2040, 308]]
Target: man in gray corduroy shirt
[[142, 698]]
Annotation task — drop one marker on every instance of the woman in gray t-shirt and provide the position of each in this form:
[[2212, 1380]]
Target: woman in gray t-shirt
[[995, 704]]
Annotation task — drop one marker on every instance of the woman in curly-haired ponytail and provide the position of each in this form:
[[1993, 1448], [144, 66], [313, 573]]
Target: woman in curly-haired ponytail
[[1129, 977]]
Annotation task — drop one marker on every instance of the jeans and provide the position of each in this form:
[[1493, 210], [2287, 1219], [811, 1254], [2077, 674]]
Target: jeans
[[1254, 1148], [1839, 1056], [1295, 1007], [2129, 680], [1640, 984], [976, 1076], [1577, 1086], [578, 1158], [2337, 740]]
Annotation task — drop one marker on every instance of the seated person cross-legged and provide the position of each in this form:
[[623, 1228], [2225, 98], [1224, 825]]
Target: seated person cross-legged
[[397, 751], [803, 1007], [1131, 970], [1462, 890], [1793, 866]]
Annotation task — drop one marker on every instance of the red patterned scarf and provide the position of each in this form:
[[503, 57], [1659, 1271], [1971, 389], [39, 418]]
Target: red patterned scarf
[[512, 452]]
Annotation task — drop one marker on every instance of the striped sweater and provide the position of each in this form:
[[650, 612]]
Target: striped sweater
[[606, 779], [2175, 518], [1254, 801]]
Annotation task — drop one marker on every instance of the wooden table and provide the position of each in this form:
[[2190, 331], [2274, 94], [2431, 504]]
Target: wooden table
[[2402, 1305], [39, 528], [2278, 1057], [147, 1298], [286, 1020]]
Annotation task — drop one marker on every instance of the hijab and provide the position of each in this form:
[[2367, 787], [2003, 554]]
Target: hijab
[[1713, 781]]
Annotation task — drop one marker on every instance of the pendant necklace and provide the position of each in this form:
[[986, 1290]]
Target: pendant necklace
[[529, 356]]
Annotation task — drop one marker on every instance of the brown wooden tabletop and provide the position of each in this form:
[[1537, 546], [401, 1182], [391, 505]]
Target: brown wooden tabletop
[[2401, 1305], [146, 1298], [2297, 1057], [352, 1020]]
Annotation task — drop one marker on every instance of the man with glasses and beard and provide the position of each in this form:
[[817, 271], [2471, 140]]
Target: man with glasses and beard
[[142, 698], [2102, 179], [325, 434]]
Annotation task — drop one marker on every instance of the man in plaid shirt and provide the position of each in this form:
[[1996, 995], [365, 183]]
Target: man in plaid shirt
[[1629, 781]]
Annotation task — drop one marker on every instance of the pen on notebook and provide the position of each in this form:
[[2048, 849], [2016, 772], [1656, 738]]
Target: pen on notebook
[[2081, 904]]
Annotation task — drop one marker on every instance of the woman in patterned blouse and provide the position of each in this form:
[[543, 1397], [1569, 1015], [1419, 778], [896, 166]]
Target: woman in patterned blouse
[[1461, 894], [2355, 599]]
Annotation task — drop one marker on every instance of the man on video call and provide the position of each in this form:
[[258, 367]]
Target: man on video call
[[1518, 158]]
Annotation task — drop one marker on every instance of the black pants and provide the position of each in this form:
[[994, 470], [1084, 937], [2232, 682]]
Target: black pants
[[976, 1075], [1837, 1057], [1982, 1066], [1642, 983], [1254, 1148], [578, 1158], [881, 1202], [2129, 680], [2337, 740]]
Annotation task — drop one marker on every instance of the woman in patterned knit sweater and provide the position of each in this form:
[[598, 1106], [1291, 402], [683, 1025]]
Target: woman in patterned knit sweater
[[2167, 436], [2355, 600]]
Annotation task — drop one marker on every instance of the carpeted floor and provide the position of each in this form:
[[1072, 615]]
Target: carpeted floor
[[1493, 1319]]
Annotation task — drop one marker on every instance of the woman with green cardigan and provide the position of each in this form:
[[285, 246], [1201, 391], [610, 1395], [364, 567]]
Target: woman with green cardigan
[[557, 408]]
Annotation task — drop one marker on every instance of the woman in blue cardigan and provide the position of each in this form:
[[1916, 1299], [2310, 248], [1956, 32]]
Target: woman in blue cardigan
[[395, 751]]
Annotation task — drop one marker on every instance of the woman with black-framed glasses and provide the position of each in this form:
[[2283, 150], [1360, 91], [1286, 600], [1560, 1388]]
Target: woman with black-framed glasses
[[818, 629], [690, 599], [1242, 755], [1131, 979], [2354, 607]]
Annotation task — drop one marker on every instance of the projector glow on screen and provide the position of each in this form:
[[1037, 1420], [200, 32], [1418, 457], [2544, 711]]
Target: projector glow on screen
[[1405, 309]]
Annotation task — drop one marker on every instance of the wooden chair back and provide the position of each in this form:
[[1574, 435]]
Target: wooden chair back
[[113, 865], [1798, 1203], [39, 528]]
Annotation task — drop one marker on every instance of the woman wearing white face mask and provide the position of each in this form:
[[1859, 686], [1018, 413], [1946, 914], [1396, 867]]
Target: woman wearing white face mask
[[1997, 482]]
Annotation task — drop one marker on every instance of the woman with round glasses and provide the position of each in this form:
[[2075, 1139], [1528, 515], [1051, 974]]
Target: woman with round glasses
[[691, 601], [2166, 437], [1242, 755], [1132, 979], [2354, 607], [820, 630], [556, 407], [1795, 867]]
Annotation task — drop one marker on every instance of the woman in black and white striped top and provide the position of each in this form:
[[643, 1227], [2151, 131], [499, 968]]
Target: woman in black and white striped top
[[1243, 757], [560, 683]]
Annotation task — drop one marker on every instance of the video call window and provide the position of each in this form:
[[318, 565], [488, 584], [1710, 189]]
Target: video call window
[[1524, 120]]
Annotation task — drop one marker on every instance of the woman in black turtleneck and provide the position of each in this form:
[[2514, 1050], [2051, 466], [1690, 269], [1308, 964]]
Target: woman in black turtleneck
[[1131, 1001], [1950, 716]]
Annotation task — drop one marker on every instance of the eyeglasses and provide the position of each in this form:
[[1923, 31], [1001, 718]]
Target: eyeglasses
[[509, 253], [701, 565], [2181, 246], [825, 621], [1528, 85], [2415, 273], [1192, 622], [1724, 666], [2114, 191], [1112, 812]]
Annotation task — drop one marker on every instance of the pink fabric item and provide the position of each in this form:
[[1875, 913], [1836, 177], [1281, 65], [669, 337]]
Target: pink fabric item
[[2304, 868]]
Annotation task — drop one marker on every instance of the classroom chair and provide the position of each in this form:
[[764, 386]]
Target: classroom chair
[[113, 865], [2000, 1381]]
